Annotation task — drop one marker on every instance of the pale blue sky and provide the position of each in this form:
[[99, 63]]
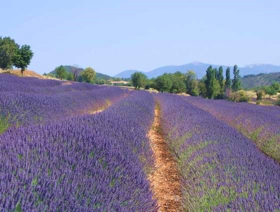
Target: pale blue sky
[[112, 36]]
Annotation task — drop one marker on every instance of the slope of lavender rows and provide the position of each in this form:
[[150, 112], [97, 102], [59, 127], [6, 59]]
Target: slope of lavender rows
[[12, 83], [261, 124], [31, 101], [87, 163], [221, 169]]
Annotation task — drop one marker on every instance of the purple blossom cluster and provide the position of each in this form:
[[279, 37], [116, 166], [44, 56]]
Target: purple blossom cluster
[[85, 163], [260, 124], [32, 101], [222, 170]]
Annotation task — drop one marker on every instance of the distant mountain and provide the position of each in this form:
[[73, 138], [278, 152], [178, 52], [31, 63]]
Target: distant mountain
[[252, 81], [200, 69], [126, 74], [259, 69], [71, 69]]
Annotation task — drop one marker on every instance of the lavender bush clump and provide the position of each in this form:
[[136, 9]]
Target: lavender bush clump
[[87, 163], [261, 124], [221, 169]]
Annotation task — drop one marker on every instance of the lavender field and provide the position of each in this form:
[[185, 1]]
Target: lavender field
[[83, 147]]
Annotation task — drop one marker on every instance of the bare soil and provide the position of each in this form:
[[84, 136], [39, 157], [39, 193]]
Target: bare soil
[[165, 179], [26, 73], [95, 112]]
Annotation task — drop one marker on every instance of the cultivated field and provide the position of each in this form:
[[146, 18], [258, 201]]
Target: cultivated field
[[82, 147]]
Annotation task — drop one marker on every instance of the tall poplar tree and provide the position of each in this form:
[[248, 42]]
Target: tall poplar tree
[[236, 84], [228, 81]]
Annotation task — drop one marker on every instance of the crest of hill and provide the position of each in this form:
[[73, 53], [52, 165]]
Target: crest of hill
[[252, 81], [71, 69]]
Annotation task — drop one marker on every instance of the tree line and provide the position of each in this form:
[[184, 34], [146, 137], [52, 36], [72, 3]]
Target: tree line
[[212, 85], [12, 54], [88, 75]]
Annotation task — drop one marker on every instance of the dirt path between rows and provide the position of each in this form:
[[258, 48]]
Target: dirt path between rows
[[165, 179]]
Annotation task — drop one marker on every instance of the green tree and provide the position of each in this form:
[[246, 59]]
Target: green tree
[[23, 57], [220, 77], [195, 88], [211, 83], [8, 50], [178, 83], [202, 88], [228, 81], [260, 94], [276, 86], [215, 88], [61, 73], [191, 84], [70, 76], [269, 90], [236, 84], [163, 83], [148, 84], [138, 80], [209, 76], [88, 75]]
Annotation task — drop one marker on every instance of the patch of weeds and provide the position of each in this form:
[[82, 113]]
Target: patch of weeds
[[97, 205], [34, 182], [91, 155], [272, 147], [4, 124], [179, 142], [113, 183], [18, 207], [215, 197], [255, 134], [20, 156]]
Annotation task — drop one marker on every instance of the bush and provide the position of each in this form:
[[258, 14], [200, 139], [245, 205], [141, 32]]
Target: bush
[[147, 87], [260, 94], [270, 91], [239, 96], [278, 101]]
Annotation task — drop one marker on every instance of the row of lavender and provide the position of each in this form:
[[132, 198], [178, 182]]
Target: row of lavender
[[31, 101], [221, 169], [86, 163], [258, 123]]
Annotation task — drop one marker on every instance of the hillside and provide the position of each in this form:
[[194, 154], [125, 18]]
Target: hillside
[[251, 81], [200, 69], [72, 69], [27, 73]]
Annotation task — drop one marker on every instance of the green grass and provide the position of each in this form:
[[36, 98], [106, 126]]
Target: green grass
[[272, 147], [4, 124]]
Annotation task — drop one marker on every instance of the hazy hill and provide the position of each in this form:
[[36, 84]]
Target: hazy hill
[[126, 74], [200, 69], [251, 81], [71, 69]]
